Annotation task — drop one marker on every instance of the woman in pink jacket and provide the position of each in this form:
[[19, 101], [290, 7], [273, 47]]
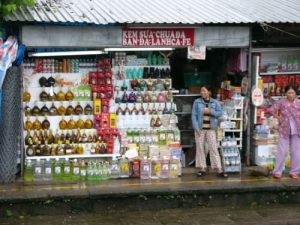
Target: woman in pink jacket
[[287, 110]]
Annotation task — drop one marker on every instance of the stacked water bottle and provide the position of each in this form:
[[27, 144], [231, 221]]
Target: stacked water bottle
[[231, 155], [79, 169]]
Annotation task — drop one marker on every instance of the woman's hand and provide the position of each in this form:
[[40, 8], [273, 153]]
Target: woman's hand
[[206, 111]]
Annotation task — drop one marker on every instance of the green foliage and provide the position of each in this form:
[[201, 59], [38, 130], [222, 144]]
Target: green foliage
[[10, 6]]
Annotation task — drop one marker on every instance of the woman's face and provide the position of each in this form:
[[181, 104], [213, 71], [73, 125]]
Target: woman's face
[[291, 94], [204, 93]]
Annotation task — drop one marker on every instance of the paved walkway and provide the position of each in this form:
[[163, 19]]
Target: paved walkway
[[188, 183]]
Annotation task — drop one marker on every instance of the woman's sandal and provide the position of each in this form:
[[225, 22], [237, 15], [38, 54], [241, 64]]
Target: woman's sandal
[[222, 175], [276, 175], [201, 174], [293, 176]]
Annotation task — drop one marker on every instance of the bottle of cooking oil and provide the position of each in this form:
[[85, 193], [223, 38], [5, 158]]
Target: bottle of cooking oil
[[66, 169], [57, 170], [75, 170], [124, 167], [29, 171]]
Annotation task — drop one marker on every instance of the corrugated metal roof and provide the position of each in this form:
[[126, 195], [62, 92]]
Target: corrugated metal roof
[[104, 12]]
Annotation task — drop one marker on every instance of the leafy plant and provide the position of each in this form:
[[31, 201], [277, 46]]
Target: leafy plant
[[10, 6]]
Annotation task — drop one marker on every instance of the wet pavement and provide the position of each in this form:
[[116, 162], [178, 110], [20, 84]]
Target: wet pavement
[[189, 182], [279, 215], [240, 199]]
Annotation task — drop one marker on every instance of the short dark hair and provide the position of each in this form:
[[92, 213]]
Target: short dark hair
[[289, 87]]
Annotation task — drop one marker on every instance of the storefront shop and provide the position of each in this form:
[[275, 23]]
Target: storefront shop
[[273, 70], [126, 111]]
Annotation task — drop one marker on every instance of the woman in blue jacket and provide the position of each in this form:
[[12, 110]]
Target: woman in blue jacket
[[205, 114]]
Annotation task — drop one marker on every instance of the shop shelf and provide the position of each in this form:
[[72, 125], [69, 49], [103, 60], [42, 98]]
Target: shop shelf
[[187, 95], [279, 73], [74, 156]]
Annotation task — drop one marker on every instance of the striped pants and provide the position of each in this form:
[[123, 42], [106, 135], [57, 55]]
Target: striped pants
[[207, 139]]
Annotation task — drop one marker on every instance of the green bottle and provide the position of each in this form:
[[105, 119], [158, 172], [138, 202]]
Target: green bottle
[[75, 170], [57, 170], [66, 169], [82, 170], [90, 171], [28, 172]]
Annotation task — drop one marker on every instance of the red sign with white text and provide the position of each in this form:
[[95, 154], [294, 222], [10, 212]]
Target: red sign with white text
[[159, 37]]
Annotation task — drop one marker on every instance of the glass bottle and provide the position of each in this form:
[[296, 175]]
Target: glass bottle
[[158, 122], [124, 167], [145, 168], [134, 110], [53, 110], [37, 124], [164, 168], [119, 110], [71, 124], [28, 138], [66, 169], [80, 124], [43, 96], [28, 124], [30, 151], [69, 110], [35, 111], [78, 109], [69, 96], [161, 137], [155, 168], [57, 169], [61, 110], [152, 122], [52, 95], [127, 110], [75, 170], [38, 150], [174, 167], [88, 124], [115, 168], [41, 137], [26, 95], [82, 170], [56, 137], [35, 138], [60, 96], [88, 109], [63, 124], [27, 110], [46, 150], [46, 124]]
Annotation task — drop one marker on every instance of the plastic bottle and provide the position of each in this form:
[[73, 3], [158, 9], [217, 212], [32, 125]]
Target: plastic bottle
[[155, 168], [83, 170], [48, 170], [164, 167], [90, 171], [57, 170], [117, 146], [75, 170], [174, 167], [38, 170], [66, 169], [115, 168], [124, 167], [29, 171], [145, 168]]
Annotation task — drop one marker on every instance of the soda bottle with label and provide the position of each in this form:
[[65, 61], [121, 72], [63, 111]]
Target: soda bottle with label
[[155, 168], [29, 171], [38, 170], [145, 168], [164, 167], [115, 168], [48, 170], [75, 170]]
